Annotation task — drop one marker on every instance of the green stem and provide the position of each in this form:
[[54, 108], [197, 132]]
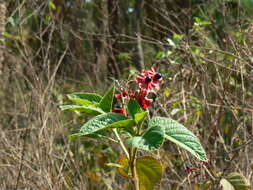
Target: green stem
[[121, 142]]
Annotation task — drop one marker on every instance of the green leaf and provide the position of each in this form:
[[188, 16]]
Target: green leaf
[[139, 117], [133, 107], [152, 139], [97, 134], [75, 136], [11, 21], [85, 98], [114, 165], [106, 102], [123, 123], [124, 171], [149, 172], [104, 121], [171, 42], [52, 5], [206, 185], [226, 185], [180, 135], [83, 109], [248, 7], [237, 181]]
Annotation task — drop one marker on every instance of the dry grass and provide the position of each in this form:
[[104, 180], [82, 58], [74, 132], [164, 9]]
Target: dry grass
[[210, 94]]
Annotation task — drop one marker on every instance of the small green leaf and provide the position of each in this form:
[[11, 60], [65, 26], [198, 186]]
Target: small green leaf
[[167, 92], [133, 107], [52, 5], [159, 54], [149, 172], [106, 102], [177, 38], [238, 181], [171, 42], [114, 165], [11, 21], [176, 110], [180, 135], [75, 136], [83, 109], [7, 35], [139, 117], [85, 98], [152, 139], [103, 121]]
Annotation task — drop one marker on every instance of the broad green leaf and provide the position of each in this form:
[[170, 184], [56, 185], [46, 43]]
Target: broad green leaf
[[106, 102], [85, 98], [149, 172], [123, 123], [226, 185], [139, 117], [238, 181], [97, 134], [83, 109], [180, 135], [103, 121], [152, 139], [133, 107]]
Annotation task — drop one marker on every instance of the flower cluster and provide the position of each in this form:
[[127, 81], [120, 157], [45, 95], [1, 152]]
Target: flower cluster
[[148, 82]]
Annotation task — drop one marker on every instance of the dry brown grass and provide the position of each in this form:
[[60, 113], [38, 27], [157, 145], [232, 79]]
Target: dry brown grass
[[213, 92]]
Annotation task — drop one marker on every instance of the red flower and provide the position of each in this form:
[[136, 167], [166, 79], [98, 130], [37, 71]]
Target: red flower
[[119, 110], [149, 80], [117, 96], [142, 99], [120, 95]]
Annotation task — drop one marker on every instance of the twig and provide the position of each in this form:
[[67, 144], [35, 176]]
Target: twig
[[24, 147]]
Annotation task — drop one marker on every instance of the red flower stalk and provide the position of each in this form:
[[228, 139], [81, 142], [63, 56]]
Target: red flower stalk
[[190, 170], [119, 110], [141, 98], [120, 95]]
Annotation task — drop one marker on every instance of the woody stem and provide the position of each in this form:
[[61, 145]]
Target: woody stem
[[133, 168]]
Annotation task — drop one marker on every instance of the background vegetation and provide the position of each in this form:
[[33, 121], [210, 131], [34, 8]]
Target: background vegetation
[[203, 48]]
